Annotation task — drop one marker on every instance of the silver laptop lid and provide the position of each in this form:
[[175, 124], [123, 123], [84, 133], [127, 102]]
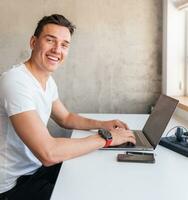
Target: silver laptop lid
[[159, 119]]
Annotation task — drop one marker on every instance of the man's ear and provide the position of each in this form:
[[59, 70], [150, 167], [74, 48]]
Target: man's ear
[[33, 42]]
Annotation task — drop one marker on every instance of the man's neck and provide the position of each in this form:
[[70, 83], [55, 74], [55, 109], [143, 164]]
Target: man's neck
[[40, 75]]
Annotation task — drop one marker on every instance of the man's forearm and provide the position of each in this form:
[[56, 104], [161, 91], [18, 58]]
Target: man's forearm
[[74, 121], [65, 148]]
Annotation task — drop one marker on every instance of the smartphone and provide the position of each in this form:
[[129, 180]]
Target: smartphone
[[136, 157]]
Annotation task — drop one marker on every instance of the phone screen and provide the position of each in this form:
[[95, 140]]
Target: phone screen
[[144, 158]]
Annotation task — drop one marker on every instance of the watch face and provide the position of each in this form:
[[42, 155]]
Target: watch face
[[108, 135], [105, 134]]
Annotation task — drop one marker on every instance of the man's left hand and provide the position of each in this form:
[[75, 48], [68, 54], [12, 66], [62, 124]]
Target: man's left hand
[[113, 124]]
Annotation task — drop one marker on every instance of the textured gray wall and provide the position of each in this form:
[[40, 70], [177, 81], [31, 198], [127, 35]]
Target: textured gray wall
[[114, 64]]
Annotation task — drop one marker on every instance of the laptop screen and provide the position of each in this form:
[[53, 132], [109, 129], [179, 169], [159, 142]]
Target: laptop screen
[[159, 119]]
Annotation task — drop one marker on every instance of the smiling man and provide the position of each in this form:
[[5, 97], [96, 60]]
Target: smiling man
[[30, 158]]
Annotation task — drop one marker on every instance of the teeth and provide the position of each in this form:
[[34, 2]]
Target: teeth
[[53, 58]]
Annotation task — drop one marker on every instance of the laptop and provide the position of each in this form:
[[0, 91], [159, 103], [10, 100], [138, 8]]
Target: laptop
[[148, 138]]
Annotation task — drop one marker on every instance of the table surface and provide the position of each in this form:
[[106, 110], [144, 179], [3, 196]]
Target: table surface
[[98, 176]]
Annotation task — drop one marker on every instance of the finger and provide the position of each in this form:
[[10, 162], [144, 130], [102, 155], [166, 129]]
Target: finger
[[130, 134], [124, 125], [131, 139], [121, 124]]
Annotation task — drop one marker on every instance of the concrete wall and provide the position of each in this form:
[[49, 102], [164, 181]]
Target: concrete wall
[[115, 59]]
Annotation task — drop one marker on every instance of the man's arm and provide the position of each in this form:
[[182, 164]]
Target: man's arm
[[73, 121], [49, 150]]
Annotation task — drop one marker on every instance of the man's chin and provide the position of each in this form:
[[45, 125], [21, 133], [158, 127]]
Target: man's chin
[[51, 70], [53, 67]]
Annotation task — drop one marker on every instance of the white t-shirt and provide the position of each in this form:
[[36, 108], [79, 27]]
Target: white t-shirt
[[20, 92]]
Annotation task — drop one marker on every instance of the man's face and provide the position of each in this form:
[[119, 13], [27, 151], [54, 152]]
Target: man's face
[[51, 47]]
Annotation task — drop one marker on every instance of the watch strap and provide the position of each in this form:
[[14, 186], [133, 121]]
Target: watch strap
[[108, 142], [105, 134]]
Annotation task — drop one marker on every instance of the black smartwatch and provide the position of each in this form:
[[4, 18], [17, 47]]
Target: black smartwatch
[[105, 134]]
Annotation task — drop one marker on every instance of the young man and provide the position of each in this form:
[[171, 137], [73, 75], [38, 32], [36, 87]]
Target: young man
[[30, 157]]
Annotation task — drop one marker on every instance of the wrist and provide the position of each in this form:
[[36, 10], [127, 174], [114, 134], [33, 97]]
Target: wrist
[[101, 140], [106, 135], [100, 125]]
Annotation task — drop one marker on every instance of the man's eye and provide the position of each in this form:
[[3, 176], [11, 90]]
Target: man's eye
[[49, 40], [65, 46]]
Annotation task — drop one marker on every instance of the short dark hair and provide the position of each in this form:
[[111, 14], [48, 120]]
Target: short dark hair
[[54, 19]]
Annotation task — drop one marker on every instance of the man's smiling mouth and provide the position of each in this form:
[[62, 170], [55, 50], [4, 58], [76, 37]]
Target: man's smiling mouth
[[53, 58]]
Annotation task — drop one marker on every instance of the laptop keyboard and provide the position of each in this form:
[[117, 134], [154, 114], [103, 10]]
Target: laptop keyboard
[[139, 141]]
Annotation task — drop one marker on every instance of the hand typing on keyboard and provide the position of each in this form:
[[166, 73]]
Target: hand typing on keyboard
[[121, 135]]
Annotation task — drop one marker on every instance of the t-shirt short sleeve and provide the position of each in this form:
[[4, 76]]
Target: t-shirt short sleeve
[[17, 98]]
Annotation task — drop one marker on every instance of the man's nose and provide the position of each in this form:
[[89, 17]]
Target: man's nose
[[57, 48]]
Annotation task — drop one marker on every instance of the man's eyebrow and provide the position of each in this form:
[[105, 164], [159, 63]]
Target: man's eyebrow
[[52, 36], [49, 35]]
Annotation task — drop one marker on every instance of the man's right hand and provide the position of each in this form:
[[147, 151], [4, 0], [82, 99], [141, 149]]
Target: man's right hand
[[121, 135]]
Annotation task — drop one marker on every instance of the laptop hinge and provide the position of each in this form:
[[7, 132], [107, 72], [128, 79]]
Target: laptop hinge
[[145, 135]]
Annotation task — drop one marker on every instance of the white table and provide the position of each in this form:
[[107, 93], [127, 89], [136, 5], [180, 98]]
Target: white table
[[98, 176]]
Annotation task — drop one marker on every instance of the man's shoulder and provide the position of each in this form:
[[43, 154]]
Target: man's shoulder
[[15, 77], [16, 72]]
